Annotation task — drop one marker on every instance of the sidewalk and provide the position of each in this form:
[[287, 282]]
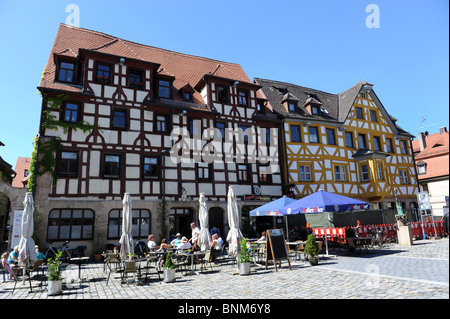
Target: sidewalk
[[417, 272]]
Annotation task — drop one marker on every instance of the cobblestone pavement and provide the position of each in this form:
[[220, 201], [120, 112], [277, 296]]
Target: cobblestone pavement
[[417, 272]]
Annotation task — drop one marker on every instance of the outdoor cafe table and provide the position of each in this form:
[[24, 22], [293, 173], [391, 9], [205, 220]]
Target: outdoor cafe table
[[297, 244], [191, 255], [79, 261]]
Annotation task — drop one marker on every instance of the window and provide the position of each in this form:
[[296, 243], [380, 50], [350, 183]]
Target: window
[[164, 89], [66, 72], [244, 136], [295, 134], [315, 110], [151, 167], [364, 173], [331, 138], [71, 112], [195, 127], [340, 172], [380, 174], [243, 173], [376, 143], [119, 119], [243, 98], [135, 79], [292, 106], [140, 223], [264, 176], [389, 145], [222, 94], [422, 169], [103, 73], [363, 95], [187, 96], [111, 166], [203, 171], [161, 124], [305, 173], [221, 127], [260, 108], [359, 113], [313, 135], [70, 224], [68, 164], [349, 139], [362, 142], [404, 177], [403, 147], [373, 116]]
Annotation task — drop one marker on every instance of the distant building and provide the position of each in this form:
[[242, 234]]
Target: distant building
[[22, 170], [431, 154], [6, 176]]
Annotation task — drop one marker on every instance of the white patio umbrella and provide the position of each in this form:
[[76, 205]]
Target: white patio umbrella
[[205, 236], [27, 253], [234, 234], [126, 240]]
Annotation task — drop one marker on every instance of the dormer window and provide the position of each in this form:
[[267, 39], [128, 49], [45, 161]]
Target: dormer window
[[292, 107], [421, 168], [135, 79], [187, 96], [243, 98], [315, 110], [222, 94], [164, 89], [66, 72]]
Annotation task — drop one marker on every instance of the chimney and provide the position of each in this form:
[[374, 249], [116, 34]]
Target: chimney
[[422, 141], [443, 130]]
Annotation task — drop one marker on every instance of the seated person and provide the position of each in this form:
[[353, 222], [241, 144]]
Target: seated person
[[216, 246], [263, 237], [152, 243], [6, 265], [14, 256], [184, 244], [176, 241], [39, 254], [164, 245]]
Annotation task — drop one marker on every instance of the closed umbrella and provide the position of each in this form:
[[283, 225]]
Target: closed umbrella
[[234, 234], [205, 236], [126, 240], [27, 253]]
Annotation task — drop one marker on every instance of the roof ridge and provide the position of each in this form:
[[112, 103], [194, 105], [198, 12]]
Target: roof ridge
[[146, 45], [299, 86]]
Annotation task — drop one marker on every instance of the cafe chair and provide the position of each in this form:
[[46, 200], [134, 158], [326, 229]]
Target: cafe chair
[[205, 260]]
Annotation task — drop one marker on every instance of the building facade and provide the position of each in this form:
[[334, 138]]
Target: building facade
[[432, 160], [119, 116], [344, 143]]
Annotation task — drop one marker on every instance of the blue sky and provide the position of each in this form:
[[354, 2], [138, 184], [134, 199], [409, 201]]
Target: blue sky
[[322, 44]]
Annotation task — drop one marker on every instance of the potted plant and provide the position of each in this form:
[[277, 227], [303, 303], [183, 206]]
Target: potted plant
[[131, 256], [244, 257], [54, 275], [312, 250], [169, 269]]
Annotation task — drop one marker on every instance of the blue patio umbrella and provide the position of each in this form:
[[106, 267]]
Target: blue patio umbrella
[[322, 202], [273, 208]]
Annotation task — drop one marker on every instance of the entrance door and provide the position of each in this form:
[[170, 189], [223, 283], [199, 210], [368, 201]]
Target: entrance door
[[216, 219], [180, 220]]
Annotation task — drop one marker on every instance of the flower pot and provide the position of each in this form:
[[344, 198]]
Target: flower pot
[[54, 287], [169, 275], [313, 261], [98, 257], [244, 269]]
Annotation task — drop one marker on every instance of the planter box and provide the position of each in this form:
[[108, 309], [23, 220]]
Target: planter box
[[54, 287], [244, 269], [169, 275]]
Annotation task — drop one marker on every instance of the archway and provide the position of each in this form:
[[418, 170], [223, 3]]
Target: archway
[[16, 197]]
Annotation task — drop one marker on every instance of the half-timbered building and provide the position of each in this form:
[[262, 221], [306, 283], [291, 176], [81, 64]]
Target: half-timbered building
[[161, 125], [344, 143]]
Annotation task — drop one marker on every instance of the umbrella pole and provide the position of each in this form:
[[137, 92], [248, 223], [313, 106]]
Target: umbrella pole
[[325, 234], [287, 228]]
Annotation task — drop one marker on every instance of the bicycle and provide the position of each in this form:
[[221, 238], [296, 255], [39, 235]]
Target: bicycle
[[50, 252]]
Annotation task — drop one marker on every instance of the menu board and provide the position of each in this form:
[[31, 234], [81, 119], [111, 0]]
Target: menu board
[[276, 249]]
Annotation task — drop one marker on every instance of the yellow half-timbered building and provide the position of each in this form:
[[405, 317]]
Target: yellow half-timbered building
[[344, 143]]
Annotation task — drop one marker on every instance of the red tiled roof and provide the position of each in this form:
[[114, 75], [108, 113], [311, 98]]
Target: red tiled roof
[[186, 68], [435, 155]]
